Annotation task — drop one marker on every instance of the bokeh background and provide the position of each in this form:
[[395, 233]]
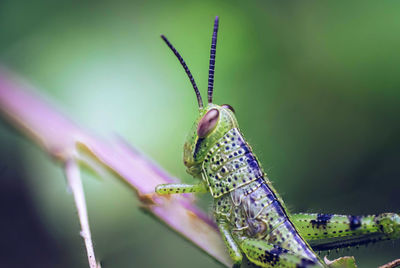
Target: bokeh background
[[316, 92]]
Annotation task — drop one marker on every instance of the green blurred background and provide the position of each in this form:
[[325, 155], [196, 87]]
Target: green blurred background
[[316, 92]]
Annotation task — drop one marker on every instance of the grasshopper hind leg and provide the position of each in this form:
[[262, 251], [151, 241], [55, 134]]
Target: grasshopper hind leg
[[330, 231], [266, 255]]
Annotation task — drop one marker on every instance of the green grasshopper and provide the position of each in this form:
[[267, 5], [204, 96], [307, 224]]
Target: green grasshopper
[[250, 214]]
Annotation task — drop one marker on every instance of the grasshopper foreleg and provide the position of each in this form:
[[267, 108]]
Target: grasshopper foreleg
[[181, 188], [233, 247]]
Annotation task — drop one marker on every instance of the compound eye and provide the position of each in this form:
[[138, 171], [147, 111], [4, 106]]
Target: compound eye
[[207, 123], [228, 107]]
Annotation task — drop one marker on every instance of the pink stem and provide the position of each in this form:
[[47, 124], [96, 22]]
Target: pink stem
[[64, 140]]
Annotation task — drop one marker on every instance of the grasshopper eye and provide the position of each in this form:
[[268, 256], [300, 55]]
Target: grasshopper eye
[[207, 123], [228, 107]]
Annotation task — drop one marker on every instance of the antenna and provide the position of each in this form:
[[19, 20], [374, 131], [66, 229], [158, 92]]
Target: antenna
[[212, 61], [189, 74]]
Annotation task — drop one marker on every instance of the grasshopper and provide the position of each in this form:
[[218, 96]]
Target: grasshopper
[[251, 216]]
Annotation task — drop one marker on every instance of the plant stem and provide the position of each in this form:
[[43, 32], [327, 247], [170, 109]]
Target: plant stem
[[67, 143]]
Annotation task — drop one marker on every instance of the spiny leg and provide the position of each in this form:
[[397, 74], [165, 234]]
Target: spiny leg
[[181, 188], [267, 255], [329, 231], [233, 247]]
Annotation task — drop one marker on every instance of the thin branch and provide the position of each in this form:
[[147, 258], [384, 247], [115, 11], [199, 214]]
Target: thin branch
[[73, 175], [64, 141]]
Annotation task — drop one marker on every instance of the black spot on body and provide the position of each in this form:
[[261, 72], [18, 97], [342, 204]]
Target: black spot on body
[[251, 160], [269, 258], [321, 221], [306, 263], [245, 147], [197, 147], [254, 166], [354, 222], [277, 251]]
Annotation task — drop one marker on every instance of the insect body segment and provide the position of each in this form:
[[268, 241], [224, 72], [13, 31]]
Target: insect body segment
[[229, 164]]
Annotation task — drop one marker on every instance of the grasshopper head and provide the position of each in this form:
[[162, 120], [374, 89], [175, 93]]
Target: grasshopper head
[[213, 123]]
